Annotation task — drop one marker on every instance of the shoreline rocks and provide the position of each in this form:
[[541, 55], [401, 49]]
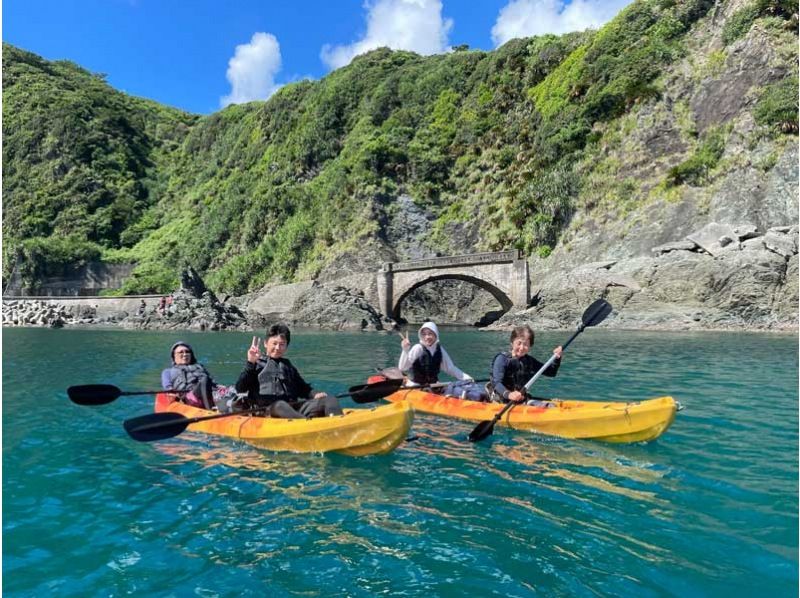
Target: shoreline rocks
[[700, 282]]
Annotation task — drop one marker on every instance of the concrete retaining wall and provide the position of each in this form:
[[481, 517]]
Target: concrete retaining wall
[[85, 281], [280, 299]]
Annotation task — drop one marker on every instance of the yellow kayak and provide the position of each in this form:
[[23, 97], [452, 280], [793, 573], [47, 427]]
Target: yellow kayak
[[638, 421], [358, 432]]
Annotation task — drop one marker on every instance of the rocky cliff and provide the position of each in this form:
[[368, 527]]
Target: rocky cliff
[[676, 233]]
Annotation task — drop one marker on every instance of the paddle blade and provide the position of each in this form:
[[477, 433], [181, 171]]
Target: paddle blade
[[481, 431], [368, 393], [156, 426], [596, 312], [93, 394]]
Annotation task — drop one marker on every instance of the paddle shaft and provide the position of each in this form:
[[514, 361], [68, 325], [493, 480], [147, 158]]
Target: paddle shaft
[[127, 393]]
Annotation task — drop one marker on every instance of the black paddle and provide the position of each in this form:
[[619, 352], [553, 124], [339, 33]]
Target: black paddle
[[100, 394], [398, 385], [594, 314], [158, 426]]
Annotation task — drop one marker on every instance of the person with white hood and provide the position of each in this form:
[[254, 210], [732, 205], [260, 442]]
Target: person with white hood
[[426, 359]]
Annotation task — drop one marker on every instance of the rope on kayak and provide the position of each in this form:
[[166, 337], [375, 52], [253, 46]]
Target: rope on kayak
[[625, 410], [245, 419], [508, 414]]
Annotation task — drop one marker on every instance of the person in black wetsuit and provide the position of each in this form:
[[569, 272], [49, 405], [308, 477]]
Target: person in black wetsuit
[[511, 370], [274, 383]]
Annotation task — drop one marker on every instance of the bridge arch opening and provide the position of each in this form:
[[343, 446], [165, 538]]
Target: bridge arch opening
[[435, 307]]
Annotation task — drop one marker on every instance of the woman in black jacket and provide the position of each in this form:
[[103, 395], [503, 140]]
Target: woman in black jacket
[[511, 370]]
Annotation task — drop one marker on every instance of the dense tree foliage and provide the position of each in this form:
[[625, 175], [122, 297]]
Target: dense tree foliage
[[79, 162], [277, 190]]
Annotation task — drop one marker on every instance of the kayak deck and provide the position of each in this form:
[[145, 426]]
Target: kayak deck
[[358, 432], [606, 421]]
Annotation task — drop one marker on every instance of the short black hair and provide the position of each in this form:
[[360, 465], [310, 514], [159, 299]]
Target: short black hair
[[525, 331], [280, 330]]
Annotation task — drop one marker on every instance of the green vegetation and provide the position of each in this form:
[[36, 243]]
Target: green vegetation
[[277, 190], [78, 161], [740, 22], [778, 106], [695, 170]]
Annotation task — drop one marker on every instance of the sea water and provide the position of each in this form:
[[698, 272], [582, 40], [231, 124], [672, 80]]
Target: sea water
[[708, 509]]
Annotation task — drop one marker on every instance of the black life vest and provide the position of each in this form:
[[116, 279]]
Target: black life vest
[[275, 380], [186, 377], [425, 370], [518, 371]]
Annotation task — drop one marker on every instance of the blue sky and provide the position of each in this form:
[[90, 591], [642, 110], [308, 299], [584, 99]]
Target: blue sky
[[200, 55]]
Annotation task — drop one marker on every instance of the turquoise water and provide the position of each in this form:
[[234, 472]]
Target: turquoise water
[[709, 509]]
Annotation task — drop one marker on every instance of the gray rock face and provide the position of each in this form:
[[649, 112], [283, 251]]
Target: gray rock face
[[336, 308], [766, 200], [675, 246], [408, 229], [187, 312], [193, 286], [782, 244], [750, 63], [752, 289], [713, 237]]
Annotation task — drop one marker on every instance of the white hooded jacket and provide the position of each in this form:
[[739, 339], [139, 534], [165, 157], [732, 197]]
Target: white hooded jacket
[[407, 358]]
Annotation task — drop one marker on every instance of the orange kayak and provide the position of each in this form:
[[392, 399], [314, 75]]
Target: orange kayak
[[638, 421], [358, 432]]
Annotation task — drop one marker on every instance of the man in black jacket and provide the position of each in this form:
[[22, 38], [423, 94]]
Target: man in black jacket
[[275, 384]]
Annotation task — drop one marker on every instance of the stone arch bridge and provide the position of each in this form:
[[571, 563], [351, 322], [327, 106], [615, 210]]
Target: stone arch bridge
[[504, 274]]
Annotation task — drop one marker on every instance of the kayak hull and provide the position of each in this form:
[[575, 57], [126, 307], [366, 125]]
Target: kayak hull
[[606, 421], [358, 432]]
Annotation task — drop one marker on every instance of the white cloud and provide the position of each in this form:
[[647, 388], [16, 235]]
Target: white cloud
[[415, 25], [252, 70], [525, 18]]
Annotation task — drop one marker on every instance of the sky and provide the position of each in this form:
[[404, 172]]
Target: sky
[[202, 55]]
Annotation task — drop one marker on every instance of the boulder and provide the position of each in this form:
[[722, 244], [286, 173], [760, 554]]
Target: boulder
[[746, 231], [337, 308], [710, 235], [684, 245], [781, 243]]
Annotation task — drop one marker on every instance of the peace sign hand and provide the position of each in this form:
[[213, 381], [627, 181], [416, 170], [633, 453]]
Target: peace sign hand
[[253, 353], [405, 343]]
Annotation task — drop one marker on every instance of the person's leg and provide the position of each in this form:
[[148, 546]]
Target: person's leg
[[205, 393], [284, 410], [312, 408], [331, 406]]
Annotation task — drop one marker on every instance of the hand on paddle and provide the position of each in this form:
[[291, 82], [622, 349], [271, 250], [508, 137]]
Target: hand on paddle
[[516, 396], [254, 353], [405, 343]]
